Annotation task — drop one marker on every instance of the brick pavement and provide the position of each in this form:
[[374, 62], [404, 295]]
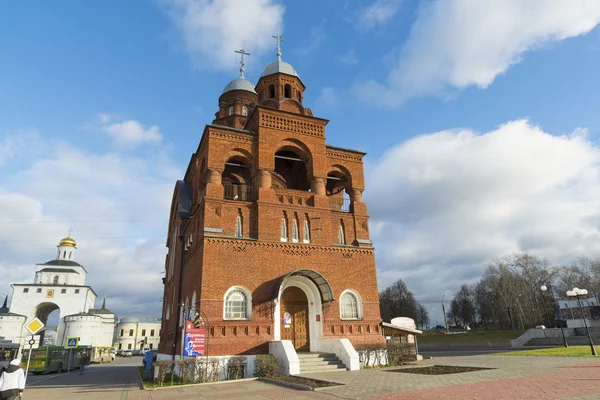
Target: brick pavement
[[512, 372], [512, 378]]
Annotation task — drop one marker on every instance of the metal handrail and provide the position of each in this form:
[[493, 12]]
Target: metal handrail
[[340, 204], [238, 192]]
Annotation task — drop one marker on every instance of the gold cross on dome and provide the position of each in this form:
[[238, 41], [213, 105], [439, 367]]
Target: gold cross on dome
[[279, 40], [70, 231]]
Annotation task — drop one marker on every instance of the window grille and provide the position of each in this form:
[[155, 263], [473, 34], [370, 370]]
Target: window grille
[[341, 237], [284, 230], [306, 232], [238, 226], [236, 305], [295, 236], [349, 306]]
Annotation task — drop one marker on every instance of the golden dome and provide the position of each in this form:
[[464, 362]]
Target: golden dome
[[68, 241]]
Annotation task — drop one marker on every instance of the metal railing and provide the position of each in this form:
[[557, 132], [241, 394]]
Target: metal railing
[[238, 192], [340, 204]]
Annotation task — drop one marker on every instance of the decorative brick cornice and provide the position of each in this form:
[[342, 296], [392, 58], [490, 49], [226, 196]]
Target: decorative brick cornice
[[288, 248], [232, 137], [344, 156], [292, 125]]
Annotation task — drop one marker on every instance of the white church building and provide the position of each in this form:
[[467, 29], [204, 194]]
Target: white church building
[[59, 284]]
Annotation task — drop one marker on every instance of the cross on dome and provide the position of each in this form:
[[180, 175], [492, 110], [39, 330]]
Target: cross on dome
[[279, 40], [243, 53]]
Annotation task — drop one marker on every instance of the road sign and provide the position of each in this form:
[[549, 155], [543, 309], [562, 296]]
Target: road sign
[[34, 326], [72, 341], [32, 342]]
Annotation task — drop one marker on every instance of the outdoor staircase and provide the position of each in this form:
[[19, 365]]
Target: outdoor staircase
[[319, 362]]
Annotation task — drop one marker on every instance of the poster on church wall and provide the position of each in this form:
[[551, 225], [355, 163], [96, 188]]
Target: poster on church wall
[[287, 319], [195, 340]]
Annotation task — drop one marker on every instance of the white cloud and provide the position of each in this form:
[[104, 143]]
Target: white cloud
[[213, 29], [328, 98], [128, 133], [117, 205], [376, 14], [460, 43], [444, 204]]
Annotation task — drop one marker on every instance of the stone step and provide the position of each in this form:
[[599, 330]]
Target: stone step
[[330, 368], [320, 362], [315, 355]]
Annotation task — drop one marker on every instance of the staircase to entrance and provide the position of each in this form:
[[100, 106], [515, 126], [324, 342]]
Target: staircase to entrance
[[319, 362]]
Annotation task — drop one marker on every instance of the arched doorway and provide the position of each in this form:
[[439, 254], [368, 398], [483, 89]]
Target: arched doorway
[[49, 314], [294, 318]]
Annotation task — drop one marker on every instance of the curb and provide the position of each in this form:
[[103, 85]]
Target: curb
[[201, 384], [288, 384]]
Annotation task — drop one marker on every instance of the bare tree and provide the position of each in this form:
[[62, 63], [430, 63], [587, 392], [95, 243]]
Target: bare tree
[[397, 301]]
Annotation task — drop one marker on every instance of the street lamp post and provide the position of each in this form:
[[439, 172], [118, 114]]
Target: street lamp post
[[576, 292], [543, 288], [444, 311]]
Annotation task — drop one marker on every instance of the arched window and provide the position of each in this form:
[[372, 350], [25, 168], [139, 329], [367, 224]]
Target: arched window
[[230, 110], [299, 96], [295, 235], [193, 306], [64, 254], [238, 303], [287, 91], [306, 238], [271, 91], [70, 254], [284, 237], [244, 110], [341, 236], [350, 305], [238, 226], [55, 281]]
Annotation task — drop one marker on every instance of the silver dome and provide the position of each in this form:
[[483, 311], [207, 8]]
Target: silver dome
[[279, 67], [239, 84]]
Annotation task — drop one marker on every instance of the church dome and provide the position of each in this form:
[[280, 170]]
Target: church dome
[[279, 67], [68, 241], [239, 84]]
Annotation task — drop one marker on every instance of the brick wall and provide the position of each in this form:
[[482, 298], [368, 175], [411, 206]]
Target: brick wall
[[216, 260]]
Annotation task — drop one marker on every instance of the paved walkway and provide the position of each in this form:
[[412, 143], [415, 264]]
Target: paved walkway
[[510, 378], [119, 380]]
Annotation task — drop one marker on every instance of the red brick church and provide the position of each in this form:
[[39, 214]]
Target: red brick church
[[268, 233]]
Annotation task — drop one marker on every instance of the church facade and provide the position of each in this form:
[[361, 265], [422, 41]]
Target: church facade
[[59, 284], [268, 235]]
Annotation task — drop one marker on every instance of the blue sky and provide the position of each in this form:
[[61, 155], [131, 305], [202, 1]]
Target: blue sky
[[104, 102]]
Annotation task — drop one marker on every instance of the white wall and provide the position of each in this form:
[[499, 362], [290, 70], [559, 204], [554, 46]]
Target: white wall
[[287, 358], [11, 328], [92, 330]]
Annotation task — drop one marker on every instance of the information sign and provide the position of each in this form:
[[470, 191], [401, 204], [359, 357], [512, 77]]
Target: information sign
[[72, 341], [195, 340], [34, 326]]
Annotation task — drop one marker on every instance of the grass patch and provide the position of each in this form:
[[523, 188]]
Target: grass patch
[[438, 370], [149, 381], [571, 351], [439, 336]]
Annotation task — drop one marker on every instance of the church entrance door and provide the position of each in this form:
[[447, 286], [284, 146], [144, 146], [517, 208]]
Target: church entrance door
[[294, 318]]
